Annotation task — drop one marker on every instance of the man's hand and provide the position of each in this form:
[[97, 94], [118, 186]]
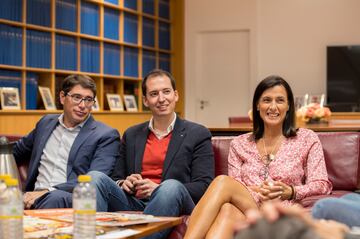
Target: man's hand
[[30, 197], [128, 184], [144, 188]]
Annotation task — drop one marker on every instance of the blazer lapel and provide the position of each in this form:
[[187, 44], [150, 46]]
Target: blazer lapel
[[175, 143], [84, 133], [139, 147]]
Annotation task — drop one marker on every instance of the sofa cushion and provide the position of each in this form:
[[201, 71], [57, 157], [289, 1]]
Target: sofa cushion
[[221, 145], [341, 150], [309, 202]]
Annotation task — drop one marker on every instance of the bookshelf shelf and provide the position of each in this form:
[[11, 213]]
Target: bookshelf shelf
[[115, 42]]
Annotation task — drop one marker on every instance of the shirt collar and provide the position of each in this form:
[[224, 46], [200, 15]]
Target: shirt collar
[[161, 135], [79, 126]]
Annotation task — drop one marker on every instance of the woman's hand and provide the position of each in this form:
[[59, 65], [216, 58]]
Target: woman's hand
[[270, 190]]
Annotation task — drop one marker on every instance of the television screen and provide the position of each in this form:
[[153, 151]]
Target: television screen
[[343, 78]]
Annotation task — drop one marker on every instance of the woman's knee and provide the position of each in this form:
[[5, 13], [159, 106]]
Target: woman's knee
[[226, 210], [229, 211], [221, 180], [222, 183]]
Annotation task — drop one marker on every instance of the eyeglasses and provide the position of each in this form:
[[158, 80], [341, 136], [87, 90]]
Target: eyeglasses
[[77, 99]]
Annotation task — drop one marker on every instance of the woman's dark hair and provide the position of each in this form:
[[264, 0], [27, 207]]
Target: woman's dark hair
[[83, 80], [155, 73], [288, 128]]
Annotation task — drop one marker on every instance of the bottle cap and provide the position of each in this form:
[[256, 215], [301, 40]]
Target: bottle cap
[[84, 178], [11, 182], [4, 176]]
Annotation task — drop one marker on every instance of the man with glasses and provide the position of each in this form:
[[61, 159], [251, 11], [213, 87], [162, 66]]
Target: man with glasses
[[165, 164], [61, 147]]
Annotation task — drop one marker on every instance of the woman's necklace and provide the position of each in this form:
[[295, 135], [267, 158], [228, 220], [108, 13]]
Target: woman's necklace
[[268, 159], [271, 156]]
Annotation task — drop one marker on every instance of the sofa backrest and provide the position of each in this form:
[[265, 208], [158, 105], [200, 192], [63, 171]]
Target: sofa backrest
[[341, 150]]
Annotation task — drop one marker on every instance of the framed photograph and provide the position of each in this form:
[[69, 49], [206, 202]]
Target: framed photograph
[[96, 106], [115, 102], [47, 98], [9, 98], [319, 99], [130, 103], [299, 101]]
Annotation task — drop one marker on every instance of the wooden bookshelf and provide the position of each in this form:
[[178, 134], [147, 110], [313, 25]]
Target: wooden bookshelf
[[107, 82]]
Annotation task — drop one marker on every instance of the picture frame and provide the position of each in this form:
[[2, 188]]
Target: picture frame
[[115, 102], [47, 98], [9, 98], [130, 103], [319, 99], [299, 101], [96, 106]]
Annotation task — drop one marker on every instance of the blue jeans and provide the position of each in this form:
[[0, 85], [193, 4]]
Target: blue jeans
[[171, 198], [345, 209], [53, 199]]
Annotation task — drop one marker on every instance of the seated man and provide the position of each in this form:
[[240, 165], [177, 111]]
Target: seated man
[[61, 147], [345, 209], [165, 165]]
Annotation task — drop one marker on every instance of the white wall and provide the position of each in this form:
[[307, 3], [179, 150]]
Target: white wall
[[214, 15], [287, 37]]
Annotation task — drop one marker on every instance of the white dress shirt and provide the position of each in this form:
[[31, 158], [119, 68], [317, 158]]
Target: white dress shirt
[[54, 159]]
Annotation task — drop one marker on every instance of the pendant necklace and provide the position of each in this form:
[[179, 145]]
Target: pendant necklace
[[268, 158]]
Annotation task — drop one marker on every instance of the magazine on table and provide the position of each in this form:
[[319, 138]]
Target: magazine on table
[[105, 219]]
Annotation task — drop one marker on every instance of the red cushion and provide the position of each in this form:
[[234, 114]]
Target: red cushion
[[221, 146], [308, 202], [341, 150]]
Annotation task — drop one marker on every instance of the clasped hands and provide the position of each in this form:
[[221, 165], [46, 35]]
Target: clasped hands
[[269, 190], [141, 188]]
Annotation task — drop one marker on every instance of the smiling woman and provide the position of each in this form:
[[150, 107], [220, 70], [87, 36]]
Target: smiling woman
[[275, 161]]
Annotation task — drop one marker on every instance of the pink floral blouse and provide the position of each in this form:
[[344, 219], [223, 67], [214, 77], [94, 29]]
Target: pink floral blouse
[[299, 162]]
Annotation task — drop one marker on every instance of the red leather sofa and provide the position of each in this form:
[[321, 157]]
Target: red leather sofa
[[342, 156]]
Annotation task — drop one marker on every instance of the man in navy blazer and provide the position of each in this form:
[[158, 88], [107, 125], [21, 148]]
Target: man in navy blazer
[[61, 147], [165, 165]]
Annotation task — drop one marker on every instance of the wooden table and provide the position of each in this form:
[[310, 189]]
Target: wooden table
[[66, 215], [150, 228], [332, 126]]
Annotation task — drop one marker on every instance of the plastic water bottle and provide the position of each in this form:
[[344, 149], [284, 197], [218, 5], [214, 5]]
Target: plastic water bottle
[[84, 205], [3, 184], [11, 211]]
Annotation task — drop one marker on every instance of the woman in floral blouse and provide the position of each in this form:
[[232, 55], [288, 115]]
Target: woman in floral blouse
[[275, 161]]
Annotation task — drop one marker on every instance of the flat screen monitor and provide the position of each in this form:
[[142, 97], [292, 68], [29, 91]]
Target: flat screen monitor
[[343, 78]]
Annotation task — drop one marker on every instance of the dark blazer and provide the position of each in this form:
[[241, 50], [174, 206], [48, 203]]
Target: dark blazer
[[96, 147], [189, 157]]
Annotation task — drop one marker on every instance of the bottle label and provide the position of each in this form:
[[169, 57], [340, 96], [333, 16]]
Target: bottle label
[[11, 211], [84, 206]]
